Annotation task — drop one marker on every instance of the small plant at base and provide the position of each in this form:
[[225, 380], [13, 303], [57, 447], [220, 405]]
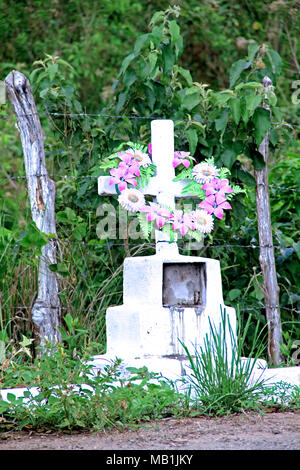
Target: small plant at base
[[281, 395], [71, 397], [220, 379]]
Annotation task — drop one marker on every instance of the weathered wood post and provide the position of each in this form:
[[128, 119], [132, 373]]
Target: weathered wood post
[[266, 256], [46, 312]]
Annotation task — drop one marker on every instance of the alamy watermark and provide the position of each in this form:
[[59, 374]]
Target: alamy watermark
[[296, 94], [2, 93], [119, 224], [296, 354]]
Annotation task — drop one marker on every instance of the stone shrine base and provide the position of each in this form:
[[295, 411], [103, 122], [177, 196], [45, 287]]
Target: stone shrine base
[[175, 370], [170, 369]]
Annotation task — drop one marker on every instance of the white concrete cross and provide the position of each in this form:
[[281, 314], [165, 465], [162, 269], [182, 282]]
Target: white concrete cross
[[161, 186]]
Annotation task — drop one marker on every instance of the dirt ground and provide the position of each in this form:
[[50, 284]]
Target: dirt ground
[[271, 431]]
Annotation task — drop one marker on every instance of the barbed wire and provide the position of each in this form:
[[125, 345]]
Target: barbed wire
[[109, 244], [248, 308], [63, 177], [152, 245], [122, 116]]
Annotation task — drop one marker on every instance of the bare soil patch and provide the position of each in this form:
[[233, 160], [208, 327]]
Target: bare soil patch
[[271, 431]]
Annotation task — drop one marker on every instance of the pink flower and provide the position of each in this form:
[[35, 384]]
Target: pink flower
[[157, 213], [182, 158], [216, 185], [130, 163], [135, 157], [182, 222], [123, 175], [215, 201], [214, 204]]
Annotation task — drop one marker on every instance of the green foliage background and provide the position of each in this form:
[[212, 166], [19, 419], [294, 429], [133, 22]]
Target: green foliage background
[[128, 58]]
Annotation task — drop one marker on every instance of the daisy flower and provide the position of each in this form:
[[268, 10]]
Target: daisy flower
[[141, 158], [204, 172], [203, 222], [132, 199]]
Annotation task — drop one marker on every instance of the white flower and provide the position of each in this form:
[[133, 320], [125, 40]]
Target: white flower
[[202, 221], [131, 199], [140, 157], [204, 172]]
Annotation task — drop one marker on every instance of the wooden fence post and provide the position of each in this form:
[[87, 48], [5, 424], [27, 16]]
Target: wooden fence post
[[46, 311], [266, 256]]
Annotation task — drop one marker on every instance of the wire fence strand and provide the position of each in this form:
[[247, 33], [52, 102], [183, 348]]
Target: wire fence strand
[[64, 177], [102, 114], [246, 308]]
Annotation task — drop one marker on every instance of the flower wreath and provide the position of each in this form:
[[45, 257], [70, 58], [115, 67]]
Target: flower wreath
[[134, 170]]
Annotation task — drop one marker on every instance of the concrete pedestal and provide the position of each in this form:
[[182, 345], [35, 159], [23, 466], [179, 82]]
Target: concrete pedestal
[[169, 299]]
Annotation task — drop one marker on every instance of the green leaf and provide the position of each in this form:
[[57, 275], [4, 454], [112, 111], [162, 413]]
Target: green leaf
[[191, 101], [65, 63], [175, 31], [141, 40], [121, 101], [221, 122], [222, 98], [168, 56], [228, 157], [192, 139], [262, 123], [198, 236], [158, 16], [11, 397], [4, 406], [129, 78], [273, 137], [126, 63], [257, 157], [33, 237], [236, 70], [79, 231], [150, 95], [275, 61], [244, 111], [152, 59], [66, 216], [26, 341], [252, 102], [184, 174], [195, 189], [33, 73], [157, 34], [234, 294], [186, 75], [296, 247], [252, 50], [249, 85], [52, 69], [59, 268], [238, 210], [235, 106]]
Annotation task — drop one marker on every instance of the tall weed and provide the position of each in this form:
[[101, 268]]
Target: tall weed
[[220, 380]]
